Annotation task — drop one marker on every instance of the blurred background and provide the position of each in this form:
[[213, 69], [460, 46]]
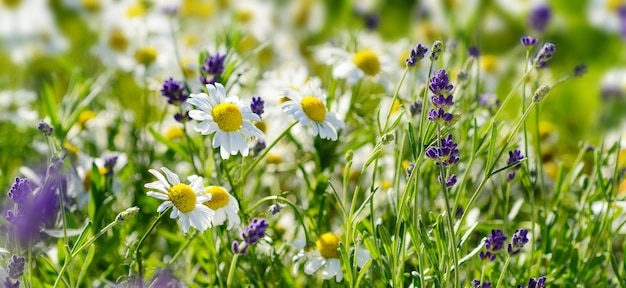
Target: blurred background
[[109, 52]]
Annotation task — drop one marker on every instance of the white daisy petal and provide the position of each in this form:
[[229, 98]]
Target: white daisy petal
[[332, 268], [160, 196], [164, 206], [313, 264], [184, 220], [171, 177], [160, 177]]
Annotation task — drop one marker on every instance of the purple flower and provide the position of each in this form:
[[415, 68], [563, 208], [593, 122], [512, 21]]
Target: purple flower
[[8, 283], [449, 182], [440, 83], [539, 17], [257, 105], [416, 55], [182, 118], [442, 100], [15, 269], [45, 128], [580, 70], [165, 278], [494, 243], [436, 51], [544, 55], [440, 116], [473, 52], [253, 233], [41, 208], [109, 163], [371, 21], [490, 101], [275, 208], [514, 156], [529, 41], [416, 108], [174, 91], [476, 284], [541, 92], [213, 67], [446, 154], [20, 191], [517, 241], [409, 170], [258, 147], [532, 283]]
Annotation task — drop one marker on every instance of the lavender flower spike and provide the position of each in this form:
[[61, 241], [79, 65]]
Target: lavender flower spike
[[544, 55], [517, 241], [416, 55], [253, 233]]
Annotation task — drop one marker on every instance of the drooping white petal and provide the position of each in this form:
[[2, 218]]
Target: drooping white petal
[[159, 176], [171, 177], [164, 206], [333, 267], [313, 264]]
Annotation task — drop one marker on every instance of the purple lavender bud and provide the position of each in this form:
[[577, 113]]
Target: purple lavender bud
[[544, 55], [45, 128], [109, 163], [451, 181], [214, 64], [409, 170], [440, 83], [433, 153], [539, 17], [170, 11], [436, 51], [253, 233], [416, 55], [165, 278], [517, 241], [580, 70], [529, 41], [15, 269], [258, 147], [473, 52], [8, 283], [236, 247], [174, 91], [442, 100], [275, 208], [416, 108], [541, 92], [371, 21], [514, 156], [476, 284], [433, 114], [257, 105], [20, 191], [182, 118]]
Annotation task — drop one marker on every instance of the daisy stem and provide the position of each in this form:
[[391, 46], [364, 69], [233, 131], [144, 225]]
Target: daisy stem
[[393, 100], [231, 270], [283, 199], [140, 243], [267, 150], [188, 141]]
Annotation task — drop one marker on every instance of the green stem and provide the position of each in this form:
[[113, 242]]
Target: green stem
[[422, 133], [231, 271], [506, 265], [393, 100], [508, 96], [188, 142], [143, 238]]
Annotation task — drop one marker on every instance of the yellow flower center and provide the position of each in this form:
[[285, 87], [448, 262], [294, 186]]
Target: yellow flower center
[[174, 133], [85, 116], [117, 40], [71, 148], [227, 116], [489, 63], [244, 16], [196, 8], [145, 55], [314, 108], [612, 5], [11, 3], [328, 245], [367, 61], [219, 197], [135, 11], [91, 5], [183, 197], [274, 158], [386, 184]]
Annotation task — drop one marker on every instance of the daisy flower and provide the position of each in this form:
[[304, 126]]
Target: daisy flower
[[224, 205], [326, 253], [225, 117], [311, 110], [186, 199]]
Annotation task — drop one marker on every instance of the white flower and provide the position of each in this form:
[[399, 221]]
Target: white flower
[[224, 205], [311, 110], [326, 254], [225, 117], [186, 199]]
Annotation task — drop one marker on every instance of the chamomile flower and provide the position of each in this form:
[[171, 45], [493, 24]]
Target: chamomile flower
[[224, 205], [326, 254], [227, 117], [310, 109], [187, 199]]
